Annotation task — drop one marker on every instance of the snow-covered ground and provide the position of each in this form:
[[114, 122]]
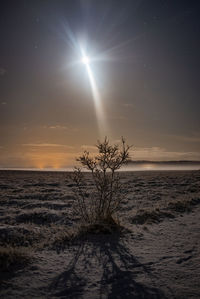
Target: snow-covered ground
[[157, 255]]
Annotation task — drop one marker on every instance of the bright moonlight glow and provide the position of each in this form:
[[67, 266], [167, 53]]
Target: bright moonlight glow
[[85, 60], [102, 126]]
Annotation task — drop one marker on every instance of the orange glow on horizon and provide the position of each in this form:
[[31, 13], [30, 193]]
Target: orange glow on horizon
[[43, 160], [149, 166]]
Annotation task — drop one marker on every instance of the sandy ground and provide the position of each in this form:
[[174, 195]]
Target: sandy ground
[[157, 255]]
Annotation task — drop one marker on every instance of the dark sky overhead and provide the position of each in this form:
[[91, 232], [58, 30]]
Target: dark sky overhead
[[142, 79]]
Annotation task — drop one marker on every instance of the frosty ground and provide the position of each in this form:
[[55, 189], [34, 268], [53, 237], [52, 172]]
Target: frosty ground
[[155, 255]]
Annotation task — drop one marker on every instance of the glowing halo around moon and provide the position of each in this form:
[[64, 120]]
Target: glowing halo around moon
[[100, 115], [85, 60]]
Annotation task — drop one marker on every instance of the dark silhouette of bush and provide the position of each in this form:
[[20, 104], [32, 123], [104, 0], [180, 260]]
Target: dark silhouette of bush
[[101, 204]]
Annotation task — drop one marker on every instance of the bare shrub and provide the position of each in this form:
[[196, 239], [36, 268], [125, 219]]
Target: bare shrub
[[98, 205]]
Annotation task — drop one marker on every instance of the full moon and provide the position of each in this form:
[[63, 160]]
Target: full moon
[[85, 60]]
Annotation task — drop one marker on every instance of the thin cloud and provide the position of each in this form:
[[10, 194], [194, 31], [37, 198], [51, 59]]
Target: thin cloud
[[128, 105], [193, 138], [161, 154], [59, 127], [47, 145], [89, 147], [2, 71], [119, 117]]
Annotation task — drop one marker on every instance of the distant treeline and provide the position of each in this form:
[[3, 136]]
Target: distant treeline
[[180, 162]]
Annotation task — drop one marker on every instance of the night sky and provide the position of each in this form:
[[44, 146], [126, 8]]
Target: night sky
[[145, 58]]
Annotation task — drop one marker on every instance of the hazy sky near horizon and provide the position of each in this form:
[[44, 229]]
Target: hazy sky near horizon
[[145, 58]]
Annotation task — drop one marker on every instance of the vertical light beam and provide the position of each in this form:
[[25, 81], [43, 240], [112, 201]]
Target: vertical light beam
[[101, 122]]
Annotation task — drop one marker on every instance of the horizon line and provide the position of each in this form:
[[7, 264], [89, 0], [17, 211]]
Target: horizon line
[[126, 165]]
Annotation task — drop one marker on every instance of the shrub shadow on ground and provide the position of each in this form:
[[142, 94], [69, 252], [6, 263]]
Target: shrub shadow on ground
[[103, 267], [12, 260]]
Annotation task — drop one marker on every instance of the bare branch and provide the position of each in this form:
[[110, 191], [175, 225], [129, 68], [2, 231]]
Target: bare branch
[[106, 199]]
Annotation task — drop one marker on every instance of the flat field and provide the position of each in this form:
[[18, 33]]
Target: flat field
[[156, 255]]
